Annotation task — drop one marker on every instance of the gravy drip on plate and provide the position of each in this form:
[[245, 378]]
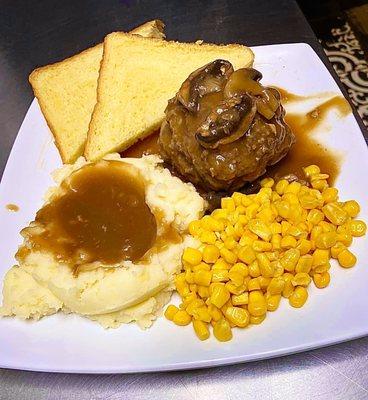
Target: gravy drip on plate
[[12, 207], [101, 216], [307, 150]]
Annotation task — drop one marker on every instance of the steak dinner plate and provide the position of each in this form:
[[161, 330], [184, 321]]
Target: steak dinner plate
[[70, 343]]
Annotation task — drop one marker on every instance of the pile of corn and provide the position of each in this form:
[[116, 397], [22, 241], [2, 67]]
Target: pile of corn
[[258, 248]]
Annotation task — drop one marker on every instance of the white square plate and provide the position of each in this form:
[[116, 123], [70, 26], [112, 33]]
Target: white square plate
[[69, 343]]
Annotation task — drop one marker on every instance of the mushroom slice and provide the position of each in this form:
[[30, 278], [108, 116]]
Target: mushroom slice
[[228, 122], [209, 79], [244, 80]]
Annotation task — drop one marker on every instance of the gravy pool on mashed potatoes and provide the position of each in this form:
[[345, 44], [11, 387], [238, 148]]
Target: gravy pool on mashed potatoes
[[107, 282]]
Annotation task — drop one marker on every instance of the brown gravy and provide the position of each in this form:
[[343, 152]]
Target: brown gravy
[[307, 150], [102, 216], [146, 146], [12, 207]]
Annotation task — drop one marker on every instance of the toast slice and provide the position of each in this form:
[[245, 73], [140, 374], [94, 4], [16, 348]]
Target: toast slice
[[137, 78], [66, 93]]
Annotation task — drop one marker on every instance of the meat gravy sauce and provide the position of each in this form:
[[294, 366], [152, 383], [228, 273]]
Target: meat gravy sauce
[[101, 216]]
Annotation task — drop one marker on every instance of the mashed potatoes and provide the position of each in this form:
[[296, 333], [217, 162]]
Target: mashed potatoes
[[42, 285]]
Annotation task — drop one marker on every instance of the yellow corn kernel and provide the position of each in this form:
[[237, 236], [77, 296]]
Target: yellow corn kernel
[[301, 279], [238, 316], [202, 278], [194, 305], [319, 184], [222, 330], [211, 254], [290, 259], [321, 280], [237, 197], [227, 203], [257, 320], [181, 318], [304, 264], [170, 311], [193, 287], [215, 313], [309, 201], [245, 240], [293, 187], [297, 232], [265, 265], [188, 299], [276, 241], [235, 289], [326, 240], [316, 231], [336, 249], [228, 255], [221, 264], [189, 276], [330, 194], [219, 296], [195, 228], [352, 208], [281, 186], [288, 242], [267, 182], [275, 196], [311, 170], [201, 329], [219, 214], [220, 275], [299, 296], [346, 258], [257, 304], [273, 301], [320, 257], [283, 208], [236, 277], [275, 228], [254, 270], [320, 269], [335, 214], [315, 216], [260, 228], [345, 238], [230, 243], [264, 282], [288, 289], [202, 314], [357, 227], [285, 226], [208, 237], [267, 216], [192, 256], [252, 210], [276, 286], [246, 254], [327, 226], [278, 268], [201, 267], [261, 246], [203, 292], [240, 299], [241, 268], [253, 284], [182, 289]]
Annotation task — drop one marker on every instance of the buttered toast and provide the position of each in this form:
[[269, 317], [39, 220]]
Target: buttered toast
[[137, 77], [66, 93]]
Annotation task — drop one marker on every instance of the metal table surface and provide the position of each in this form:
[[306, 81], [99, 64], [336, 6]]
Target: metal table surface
[[34, 33]]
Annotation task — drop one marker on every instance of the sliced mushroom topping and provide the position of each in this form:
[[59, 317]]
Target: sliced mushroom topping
[[229, 121], [244, 80], [209, 79]]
